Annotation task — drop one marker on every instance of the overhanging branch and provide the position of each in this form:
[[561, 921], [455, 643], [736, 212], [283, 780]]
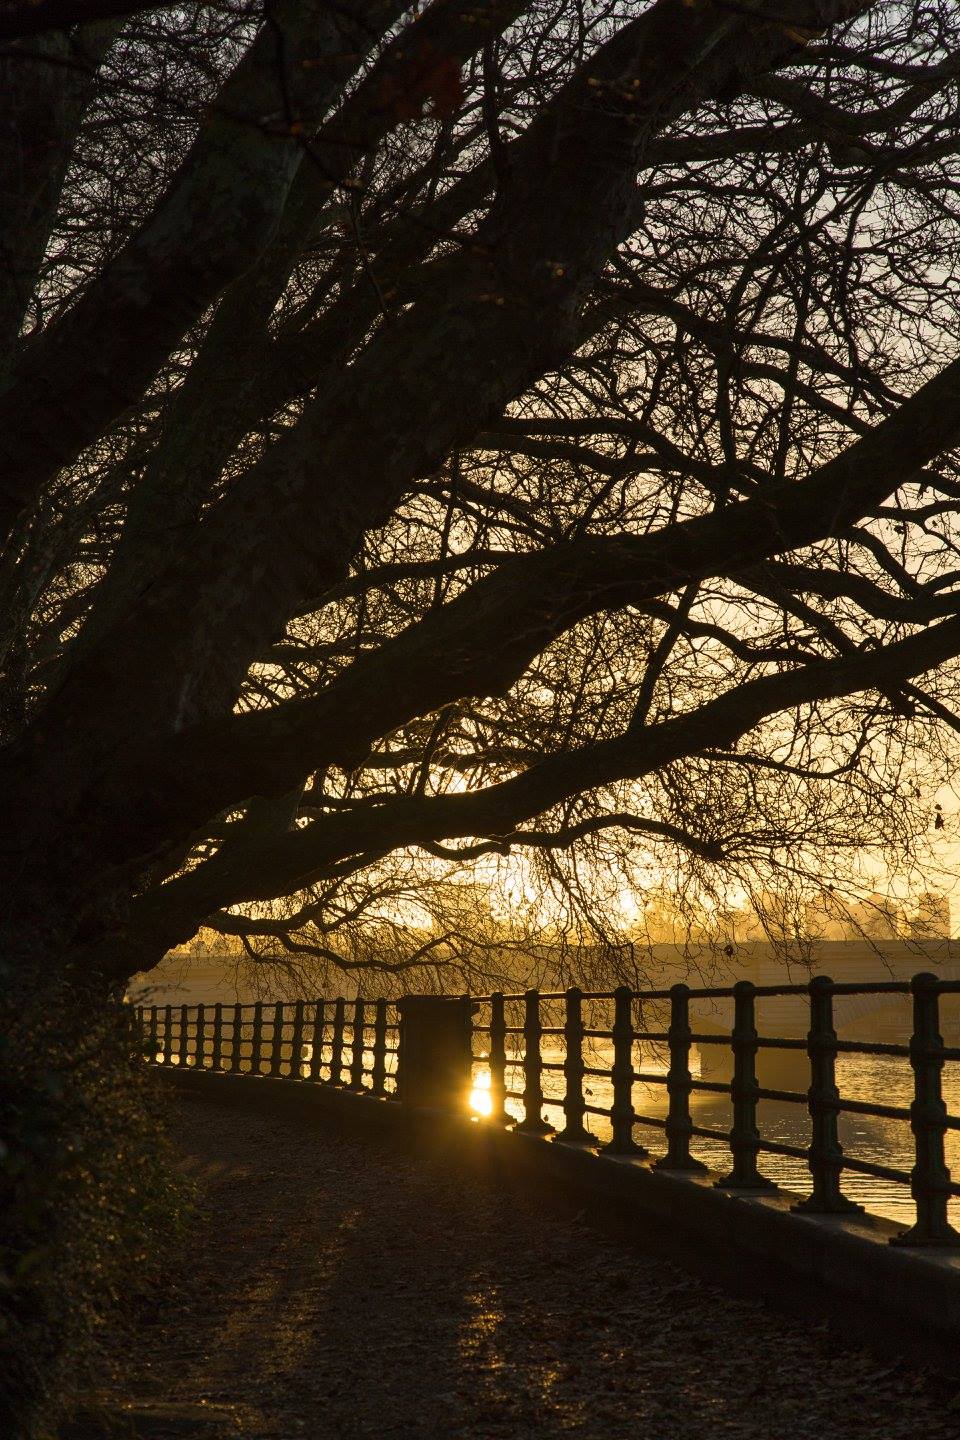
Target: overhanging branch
[[295, 859]]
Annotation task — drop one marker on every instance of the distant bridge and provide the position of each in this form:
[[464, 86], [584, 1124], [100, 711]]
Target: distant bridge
[[870, 1015]]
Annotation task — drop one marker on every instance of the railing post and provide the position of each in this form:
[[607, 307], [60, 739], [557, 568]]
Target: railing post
[[621, 1141], [930, 1178], [679, 1124], [498, 1060], [316, 1041], [153, 1035], [825, 1153], [184, 1037], [276, 1044], [378, 1078], [256, 1042], [356, 1049], [533, 1122], [336, 1056], [217, 1053], [236, 1040], [200, 1040], [168, 1035], [574, 1131], [296, 1042], [744, 1135]]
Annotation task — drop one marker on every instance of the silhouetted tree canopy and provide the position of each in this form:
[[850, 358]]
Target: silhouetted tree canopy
[[432, 433]]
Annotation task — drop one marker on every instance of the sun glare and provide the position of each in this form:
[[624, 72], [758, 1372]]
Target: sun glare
[[481, 1101]]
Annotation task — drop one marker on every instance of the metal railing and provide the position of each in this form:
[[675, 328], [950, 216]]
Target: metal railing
[[351, 1044], [346, 1044]]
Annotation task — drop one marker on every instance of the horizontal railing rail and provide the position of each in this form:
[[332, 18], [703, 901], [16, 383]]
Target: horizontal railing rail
[[355, 1045]]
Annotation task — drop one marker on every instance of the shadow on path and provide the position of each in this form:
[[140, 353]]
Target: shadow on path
[[334, 1288]]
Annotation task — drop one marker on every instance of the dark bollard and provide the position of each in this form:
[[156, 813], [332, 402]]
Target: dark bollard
[[574, 1131], [533, 1122], [679, 1125], [930, 1178], [435, 1066], [621, 1112], [744, 1136], [826, 1152]]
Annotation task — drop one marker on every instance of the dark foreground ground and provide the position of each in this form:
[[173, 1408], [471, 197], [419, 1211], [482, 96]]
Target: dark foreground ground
[[333, 1288]]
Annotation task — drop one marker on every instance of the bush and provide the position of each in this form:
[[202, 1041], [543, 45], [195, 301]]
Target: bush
[[88, 1198]]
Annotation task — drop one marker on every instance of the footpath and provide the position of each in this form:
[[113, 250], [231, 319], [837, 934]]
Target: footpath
[[334, 1288]]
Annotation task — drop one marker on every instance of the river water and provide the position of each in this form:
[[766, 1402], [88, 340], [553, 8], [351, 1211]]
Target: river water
[[880, 1079]]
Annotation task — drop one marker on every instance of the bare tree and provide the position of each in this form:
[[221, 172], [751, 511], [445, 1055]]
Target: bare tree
[[431, 435], [498, 425]]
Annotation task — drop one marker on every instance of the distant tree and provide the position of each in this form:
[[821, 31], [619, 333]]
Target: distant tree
[[488, 427]]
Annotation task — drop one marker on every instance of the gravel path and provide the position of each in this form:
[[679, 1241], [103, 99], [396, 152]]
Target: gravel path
[[335, 1289]]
